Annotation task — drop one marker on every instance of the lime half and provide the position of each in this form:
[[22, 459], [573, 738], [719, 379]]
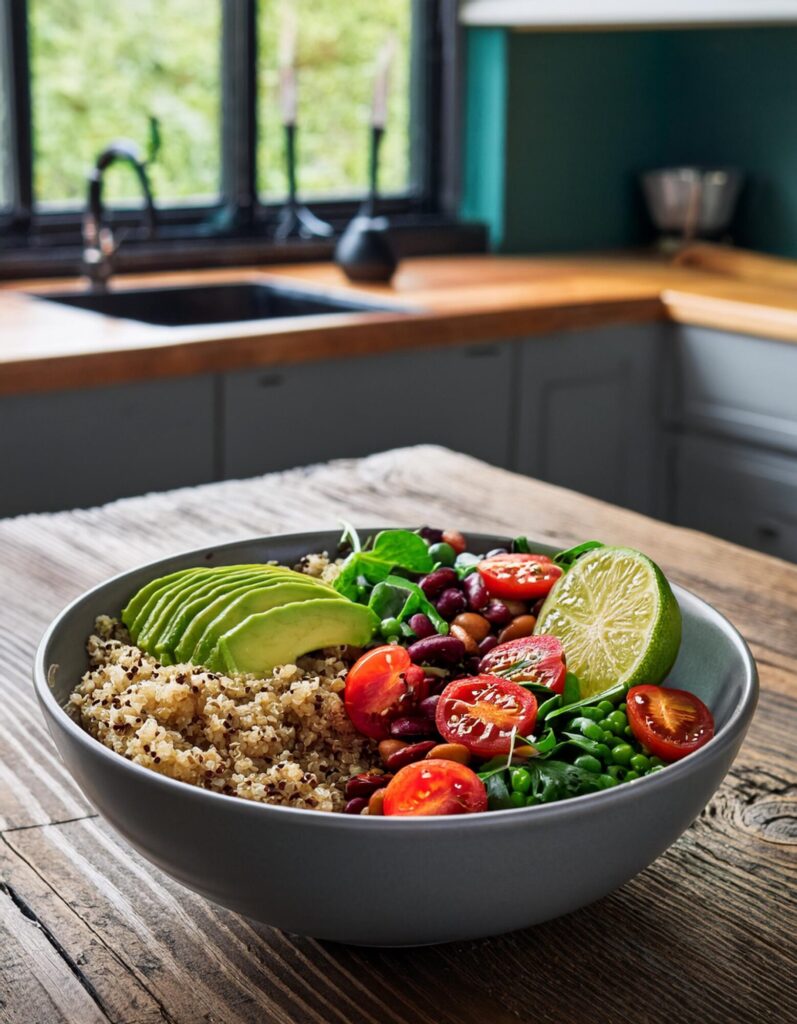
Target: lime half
[[617, 618]]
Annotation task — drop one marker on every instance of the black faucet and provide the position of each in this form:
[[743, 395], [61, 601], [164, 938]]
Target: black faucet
[[99, 244]]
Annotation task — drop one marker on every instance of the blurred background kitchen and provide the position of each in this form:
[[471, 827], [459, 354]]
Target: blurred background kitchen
[[238, 236]]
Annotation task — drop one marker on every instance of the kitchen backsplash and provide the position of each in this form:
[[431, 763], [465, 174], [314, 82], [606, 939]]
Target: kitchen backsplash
[[558, 126]]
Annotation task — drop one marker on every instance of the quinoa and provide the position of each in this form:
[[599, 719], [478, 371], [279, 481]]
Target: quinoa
[[285, 739]]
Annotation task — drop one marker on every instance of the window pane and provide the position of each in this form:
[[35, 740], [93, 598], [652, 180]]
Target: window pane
[[101, 71], [337, 45]]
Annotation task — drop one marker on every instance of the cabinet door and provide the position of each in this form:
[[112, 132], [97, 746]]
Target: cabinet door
[[588, 412], [276, 418], [737, 492], [73, 449], [734, 385]]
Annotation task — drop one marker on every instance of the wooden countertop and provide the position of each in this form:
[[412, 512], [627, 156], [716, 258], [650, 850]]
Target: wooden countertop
[[90, 932], [44, 346]]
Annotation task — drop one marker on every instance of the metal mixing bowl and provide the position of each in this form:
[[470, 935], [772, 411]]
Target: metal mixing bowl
[[692, 202]]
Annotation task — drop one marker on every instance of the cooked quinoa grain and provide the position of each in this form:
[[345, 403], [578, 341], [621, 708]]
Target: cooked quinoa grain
[[282, 740]]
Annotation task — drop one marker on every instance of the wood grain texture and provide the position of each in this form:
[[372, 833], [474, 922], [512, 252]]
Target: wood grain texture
[[91, 932], [449, 300]]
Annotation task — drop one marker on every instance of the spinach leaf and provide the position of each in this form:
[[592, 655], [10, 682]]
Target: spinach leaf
[[556, 780], [419, 602], [520, 545], [402, 548], [615, 694], [567, 559], [395, 597], [587, 745], [548, 706]]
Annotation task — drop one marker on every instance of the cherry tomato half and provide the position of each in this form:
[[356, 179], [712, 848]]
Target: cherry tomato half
[[435, 786], [379, 687], [670, 723], [518, 577], [540, 659], [480, 712]]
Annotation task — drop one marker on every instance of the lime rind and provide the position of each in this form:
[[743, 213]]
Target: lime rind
[[617, 618]]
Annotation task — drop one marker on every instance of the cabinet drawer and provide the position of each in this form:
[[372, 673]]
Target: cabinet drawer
[[735, 385], [739, 493], [73, 449], [277, 418]]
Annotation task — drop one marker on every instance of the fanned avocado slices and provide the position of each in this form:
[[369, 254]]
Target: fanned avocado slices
[[280, 636], [253, 602], [138, 605]]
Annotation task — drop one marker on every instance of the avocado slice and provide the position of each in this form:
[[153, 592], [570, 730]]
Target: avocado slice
[[281, 635], [255, 600], [132, 613], [169, 598], [176, 618]]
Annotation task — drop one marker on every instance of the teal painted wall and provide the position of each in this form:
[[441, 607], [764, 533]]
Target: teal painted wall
[[581, 114]]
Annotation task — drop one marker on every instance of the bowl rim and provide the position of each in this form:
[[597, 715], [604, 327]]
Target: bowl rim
[[587, 802]]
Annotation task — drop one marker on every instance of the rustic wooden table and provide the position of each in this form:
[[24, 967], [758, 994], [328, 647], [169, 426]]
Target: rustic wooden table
[[90, 932]]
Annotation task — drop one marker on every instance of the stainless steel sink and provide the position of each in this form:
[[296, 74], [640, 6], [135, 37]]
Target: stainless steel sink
[[215, 304]]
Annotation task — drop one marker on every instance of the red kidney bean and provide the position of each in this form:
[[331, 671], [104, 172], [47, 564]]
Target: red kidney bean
[[355, 806], [430, 535], [421, 625], [408, 755], [437, 687], [473, 664], [476, 592], [497, 613], [436, 582], [451, 603], [365, 785], [445, 649], [487, 645], [429, 706], [408, 726]]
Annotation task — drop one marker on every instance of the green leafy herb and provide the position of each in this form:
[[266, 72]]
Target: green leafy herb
[[402, 548], [547, 706], [395, 597], [556, 780], [566, 559], [615, 694], [498, 792], [391, 550], [520, 545], [572, 690]]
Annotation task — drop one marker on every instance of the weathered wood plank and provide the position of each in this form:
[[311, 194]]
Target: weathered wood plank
[[706, 934]]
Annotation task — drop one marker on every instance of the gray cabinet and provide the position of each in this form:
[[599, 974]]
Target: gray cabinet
[[738, 492], [459, 396], [73, 449], [734, 386], [587, 412]]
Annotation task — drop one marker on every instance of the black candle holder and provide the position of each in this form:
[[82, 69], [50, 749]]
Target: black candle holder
[[365, 251], [296, 220]]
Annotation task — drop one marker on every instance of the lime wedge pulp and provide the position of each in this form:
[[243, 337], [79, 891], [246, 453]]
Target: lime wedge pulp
[[617, 618]]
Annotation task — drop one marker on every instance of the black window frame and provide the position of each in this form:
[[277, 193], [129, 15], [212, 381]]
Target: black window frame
[[46, 240]]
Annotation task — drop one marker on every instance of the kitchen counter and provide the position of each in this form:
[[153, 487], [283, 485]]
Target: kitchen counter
[[45, 347], [89, 932]]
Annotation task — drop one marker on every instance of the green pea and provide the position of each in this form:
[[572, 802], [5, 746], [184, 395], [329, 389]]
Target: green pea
[[623, 707], [630, 776], [609, 737], [590, 712], [607, 781], [517, 799], [617, 722], [605, 707], [590, 729], [531, 800], [521, 780], [654, 768], [622, 753], [639, 762], [617, 771], [589, 763], [602, 750], [443, 553], [657, 762], [628, 731], [390, 628]]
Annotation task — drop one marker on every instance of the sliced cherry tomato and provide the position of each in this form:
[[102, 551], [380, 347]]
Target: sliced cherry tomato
[[435, 786], [519, 577], [481, 711], [379, 687], [670, 723], [540, 659]]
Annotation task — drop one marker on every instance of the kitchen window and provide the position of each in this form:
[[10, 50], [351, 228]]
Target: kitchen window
[[199, 86]]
